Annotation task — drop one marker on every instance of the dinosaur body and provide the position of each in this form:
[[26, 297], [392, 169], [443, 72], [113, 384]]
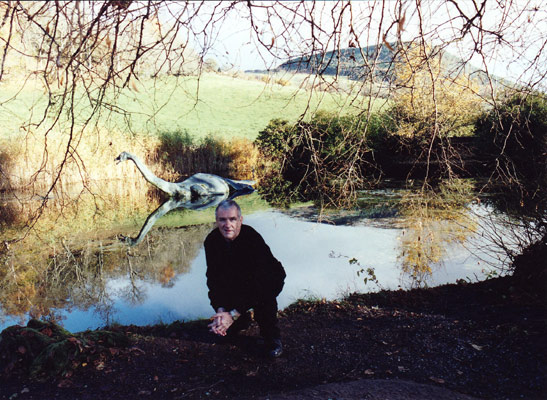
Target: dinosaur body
[[198, 185]]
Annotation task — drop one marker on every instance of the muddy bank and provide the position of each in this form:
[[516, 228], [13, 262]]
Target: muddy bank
[[483, 340]]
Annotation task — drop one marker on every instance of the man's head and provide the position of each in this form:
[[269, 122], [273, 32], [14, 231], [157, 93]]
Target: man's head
[[229, 219]]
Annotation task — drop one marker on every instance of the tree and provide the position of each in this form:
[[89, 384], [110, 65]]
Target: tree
[[86, 55]]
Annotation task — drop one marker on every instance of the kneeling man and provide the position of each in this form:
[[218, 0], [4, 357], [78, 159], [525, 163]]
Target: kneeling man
[[242, 274]]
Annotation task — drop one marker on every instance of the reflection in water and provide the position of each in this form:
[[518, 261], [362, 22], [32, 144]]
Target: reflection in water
[[93, 277], [196, 204], [433, 221], [74, 274]]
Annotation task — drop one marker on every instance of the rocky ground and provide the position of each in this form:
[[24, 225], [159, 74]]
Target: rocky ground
[[483, 340]]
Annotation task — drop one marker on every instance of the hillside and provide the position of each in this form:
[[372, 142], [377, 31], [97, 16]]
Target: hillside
[[378, 61]]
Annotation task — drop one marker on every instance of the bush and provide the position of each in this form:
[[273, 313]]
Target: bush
[[324, 160], [513, 138], [180, 156]]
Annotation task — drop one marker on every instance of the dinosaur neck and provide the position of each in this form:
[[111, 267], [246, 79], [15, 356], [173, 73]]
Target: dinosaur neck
[[167, 187]]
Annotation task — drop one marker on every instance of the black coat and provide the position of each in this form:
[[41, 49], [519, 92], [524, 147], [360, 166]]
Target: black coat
[[242, 272]]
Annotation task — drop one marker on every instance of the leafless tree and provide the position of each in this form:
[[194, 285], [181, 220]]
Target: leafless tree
[[88, 52]]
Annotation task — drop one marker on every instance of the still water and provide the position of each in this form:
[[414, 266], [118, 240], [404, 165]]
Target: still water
[[162, 278]]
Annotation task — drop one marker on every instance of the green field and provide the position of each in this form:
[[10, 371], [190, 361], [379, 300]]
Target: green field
[[219, 105], [225, 107]]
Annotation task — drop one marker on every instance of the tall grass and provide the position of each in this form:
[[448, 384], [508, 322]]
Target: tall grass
[[180, 155]]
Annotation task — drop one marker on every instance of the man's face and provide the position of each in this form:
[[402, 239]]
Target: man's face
[[229, 222]]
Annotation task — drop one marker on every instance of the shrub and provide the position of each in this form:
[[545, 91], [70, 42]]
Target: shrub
[[324, 160], [179, 156], [513, 138]]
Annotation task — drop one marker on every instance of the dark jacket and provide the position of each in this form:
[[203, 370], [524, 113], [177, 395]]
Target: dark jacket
[[242, 272]]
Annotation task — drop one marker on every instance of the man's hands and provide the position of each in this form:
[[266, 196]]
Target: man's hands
[[222, 320]]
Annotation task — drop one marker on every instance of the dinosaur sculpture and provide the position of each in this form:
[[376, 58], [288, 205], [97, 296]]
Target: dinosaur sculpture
[[198, 185]]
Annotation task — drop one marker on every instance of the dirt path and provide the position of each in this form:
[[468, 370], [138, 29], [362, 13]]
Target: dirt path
[[372, 389]]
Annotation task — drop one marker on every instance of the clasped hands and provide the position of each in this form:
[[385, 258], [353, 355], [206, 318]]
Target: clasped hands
[[222, 320]]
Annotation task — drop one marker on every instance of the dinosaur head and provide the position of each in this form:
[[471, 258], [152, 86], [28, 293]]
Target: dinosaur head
[[122, 157]]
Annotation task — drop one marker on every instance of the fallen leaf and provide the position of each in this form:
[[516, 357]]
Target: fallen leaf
[[369, 372], [65, 383], [437, 380], [476, 347]]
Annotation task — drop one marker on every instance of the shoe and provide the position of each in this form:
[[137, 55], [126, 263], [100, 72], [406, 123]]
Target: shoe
[[275, 348]]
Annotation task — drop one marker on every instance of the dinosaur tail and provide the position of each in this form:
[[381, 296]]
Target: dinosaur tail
[[244, 185]]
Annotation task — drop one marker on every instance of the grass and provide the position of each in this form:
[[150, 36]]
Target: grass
[[213, 106], [219, 105]]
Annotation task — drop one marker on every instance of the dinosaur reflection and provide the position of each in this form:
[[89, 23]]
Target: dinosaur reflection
[[196, 204]]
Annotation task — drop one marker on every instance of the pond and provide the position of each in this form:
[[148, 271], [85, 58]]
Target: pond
[[159, 277]]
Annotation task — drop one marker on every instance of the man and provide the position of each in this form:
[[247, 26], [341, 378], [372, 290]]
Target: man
[[242, 274]]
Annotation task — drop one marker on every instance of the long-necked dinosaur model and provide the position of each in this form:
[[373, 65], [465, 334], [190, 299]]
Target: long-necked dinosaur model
[[197, 185]]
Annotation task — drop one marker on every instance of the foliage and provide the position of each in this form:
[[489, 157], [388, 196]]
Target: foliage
[[513, 137], [428, 100], [275, 144], [122, 64], [429, 106], [331, 157], [369, 274], [180, 155], [324, 160]]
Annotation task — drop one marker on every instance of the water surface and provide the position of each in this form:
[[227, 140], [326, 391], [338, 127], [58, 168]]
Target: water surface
[[162, 279]]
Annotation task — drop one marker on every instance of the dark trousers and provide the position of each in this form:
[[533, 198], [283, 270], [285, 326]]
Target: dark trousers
[[265, 315]]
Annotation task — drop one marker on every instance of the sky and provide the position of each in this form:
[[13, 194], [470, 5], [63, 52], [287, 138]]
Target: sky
[[523, 24]]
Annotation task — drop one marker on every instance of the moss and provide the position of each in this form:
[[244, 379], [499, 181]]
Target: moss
[[45, 349]]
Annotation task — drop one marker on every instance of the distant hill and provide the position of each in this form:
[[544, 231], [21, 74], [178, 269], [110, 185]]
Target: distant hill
[[360, 63]]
